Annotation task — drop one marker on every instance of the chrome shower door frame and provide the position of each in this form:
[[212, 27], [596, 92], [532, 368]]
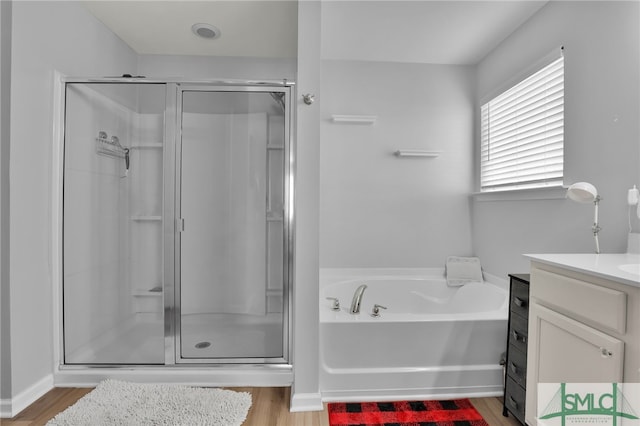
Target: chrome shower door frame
[[171, 231], [174, 221], [170, 261]]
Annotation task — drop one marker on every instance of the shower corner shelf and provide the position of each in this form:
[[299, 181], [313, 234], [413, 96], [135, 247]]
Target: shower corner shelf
[[110, 147], [157, 145], [147, 292]]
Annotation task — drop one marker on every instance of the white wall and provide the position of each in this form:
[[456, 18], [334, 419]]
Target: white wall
[[305, 393], [71, 41], [207, 67], [602, 135], [377, 210]]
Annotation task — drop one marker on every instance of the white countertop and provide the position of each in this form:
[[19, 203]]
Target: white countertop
[[604, 265]]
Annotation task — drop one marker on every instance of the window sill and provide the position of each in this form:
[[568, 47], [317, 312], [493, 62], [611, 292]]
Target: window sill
[[550, 193]]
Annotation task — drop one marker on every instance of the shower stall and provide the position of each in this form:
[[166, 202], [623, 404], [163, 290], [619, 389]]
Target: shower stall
[[177, 225]]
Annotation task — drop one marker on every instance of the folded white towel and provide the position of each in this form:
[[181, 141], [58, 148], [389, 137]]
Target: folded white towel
[[463, 270]]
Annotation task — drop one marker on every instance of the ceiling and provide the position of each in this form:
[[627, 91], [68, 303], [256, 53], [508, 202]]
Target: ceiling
[[435, 32], [420, 31], [258, 28]]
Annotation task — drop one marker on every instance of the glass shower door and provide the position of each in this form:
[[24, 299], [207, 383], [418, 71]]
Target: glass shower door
[[232, 270], [112, 223]]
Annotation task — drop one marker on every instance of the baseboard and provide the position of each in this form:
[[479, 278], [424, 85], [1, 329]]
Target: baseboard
[[5, 409], [305, 402], [411, 394], [11, 407], [194, 376]]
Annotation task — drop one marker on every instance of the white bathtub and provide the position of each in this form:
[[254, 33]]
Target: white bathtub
[[432, 341]]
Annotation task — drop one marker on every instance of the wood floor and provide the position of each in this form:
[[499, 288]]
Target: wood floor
[[270, 408]]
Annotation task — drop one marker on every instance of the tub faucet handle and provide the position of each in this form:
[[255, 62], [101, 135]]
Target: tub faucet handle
[[335, 306], [376, 310]]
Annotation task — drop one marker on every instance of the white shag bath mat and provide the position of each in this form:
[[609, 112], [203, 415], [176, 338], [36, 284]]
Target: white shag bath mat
[[115, 402]]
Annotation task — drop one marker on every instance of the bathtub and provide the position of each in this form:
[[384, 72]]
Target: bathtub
[[431, 341]]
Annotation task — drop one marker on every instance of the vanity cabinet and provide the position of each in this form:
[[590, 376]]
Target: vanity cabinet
[[582, 329], [516, 355]]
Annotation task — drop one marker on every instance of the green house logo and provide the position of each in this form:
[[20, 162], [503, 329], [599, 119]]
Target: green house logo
[[582, 404]]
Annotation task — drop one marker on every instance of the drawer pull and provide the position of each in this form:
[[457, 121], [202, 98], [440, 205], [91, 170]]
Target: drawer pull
[[605, 353], [513, 367], [513, 402], [519, 302], [519, 337]]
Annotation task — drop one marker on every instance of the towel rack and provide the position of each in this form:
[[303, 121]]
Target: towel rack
[[416, 153]]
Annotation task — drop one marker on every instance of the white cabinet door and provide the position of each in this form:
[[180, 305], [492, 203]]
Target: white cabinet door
[[562, 350]]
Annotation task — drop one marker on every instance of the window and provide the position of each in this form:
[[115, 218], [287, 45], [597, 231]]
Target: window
[[522, 133]]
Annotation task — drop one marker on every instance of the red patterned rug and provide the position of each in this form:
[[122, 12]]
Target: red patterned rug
[[457, 412]]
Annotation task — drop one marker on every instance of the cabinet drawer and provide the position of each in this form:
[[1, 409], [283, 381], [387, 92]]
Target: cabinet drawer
[[519, 298], [518, 332], [517, 366], [514, 399], [593, 304]]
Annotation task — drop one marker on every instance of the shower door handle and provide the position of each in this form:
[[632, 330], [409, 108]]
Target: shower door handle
[[179, 224]]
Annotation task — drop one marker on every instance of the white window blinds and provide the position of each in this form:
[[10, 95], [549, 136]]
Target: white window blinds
[[522, 133]]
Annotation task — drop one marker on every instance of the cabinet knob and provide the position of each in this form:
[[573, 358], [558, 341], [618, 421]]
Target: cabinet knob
[[605, 353]]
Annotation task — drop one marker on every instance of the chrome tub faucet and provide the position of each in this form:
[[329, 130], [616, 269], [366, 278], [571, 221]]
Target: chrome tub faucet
[[357, 299]]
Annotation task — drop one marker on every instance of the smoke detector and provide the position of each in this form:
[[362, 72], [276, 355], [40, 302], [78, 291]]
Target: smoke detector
[[207, 31]]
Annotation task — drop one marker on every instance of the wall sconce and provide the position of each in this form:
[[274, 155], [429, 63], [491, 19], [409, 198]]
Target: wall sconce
[[584, 192]]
